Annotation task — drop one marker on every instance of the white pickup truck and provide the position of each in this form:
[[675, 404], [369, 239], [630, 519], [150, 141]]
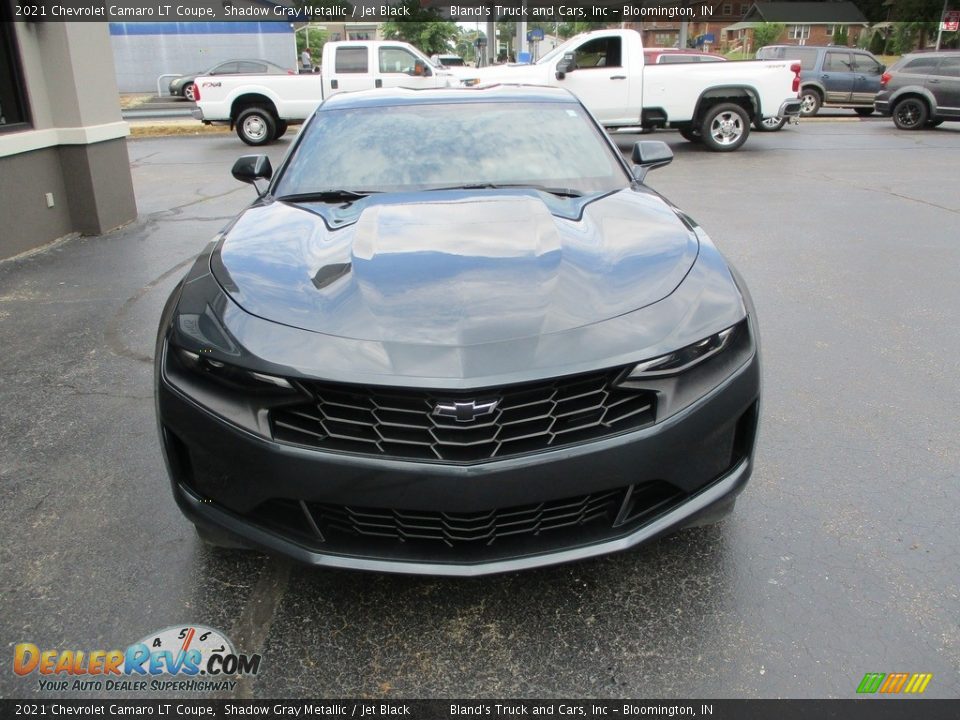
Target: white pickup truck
[[262, 106], [713, 103]]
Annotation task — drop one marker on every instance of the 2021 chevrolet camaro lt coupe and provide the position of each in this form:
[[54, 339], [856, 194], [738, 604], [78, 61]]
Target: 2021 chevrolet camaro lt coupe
[[456, 334]]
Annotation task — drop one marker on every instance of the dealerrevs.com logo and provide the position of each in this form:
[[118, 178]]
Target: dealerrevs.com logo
[[181, 659]]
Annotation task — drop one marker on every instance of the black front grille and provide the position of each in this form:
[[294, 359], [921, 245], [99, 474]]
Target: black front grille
[[402, 423], [483, 535]]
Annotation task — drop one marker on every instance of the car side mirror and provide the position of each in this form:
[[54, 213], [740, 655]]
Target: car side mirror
[[649, 155], [881, 69], [566, 64], [251, 168]]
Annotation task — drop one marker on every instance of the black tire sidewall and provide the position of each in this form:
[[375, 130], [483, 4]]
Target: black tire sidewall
[[711, 115], [818, 101], [268, 120], [924, 114]]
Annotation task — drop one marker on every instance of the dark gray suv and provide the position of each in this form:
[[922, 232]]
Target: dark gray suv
[[831, 76], [921, 90]]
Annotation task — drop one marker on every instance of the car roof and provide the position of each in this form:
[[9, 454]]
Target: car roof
[[427, 96]]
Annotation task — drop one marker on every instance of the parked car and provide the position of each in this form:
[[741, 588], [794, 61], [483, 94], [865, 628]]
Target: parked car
[[184, 86], [667, 56], [831, 76], [921, 90], [424, 350]]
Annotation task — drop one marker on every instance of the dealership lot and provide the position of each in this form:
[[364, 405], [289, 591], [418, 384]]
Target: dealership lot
[[840, 558]]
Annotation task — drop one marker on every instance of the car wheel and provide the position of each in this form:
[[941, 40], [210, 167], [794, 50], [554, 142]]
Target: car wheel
[[281, 129], [910, 114], [688, 133], [810, 102], [725, 127], [256, 126], [189, 92], [218, 539], [863, 112], [770, 124], [934, 123]]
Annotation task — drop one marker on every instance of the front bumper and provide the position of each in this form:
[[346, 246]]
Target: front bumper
[[231, 480]]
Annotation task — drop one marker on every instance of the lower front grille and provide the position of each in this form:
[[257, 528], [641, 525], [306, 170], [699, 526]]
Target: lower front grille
[[484, 424], [484, 535]]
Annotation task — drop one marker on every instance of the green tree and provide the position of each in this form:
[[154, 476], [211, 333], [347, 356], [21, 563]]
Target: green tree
[[840, 35], [317, 38], [422, 28], [767, 33]]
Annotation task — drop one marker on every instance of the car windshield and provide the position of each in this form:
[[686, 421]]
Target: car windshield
[[551, 146]]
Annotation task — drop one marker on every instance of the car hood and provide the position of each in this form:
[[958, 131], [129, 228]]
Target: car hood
[[454, 268]]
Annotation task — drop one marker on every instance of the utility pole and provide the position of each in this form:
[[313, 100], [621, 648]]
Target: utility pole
[[940, 24]]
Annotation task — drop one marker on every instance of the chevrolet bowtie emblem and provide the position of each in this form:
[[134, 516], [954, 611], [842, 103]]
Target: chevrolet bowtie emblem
[[465, 411]]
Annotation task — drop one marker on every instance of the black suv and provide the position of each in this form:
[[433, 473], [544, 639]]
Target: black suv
[[831, 76], [921, 90]]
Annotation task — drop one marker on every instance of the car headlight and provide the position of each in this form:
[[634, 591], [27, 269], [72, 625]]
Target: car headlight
[[685, 358], [230, 375]]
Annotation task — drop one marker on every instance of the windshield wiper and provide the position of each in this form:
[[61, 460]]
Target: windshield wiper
[[327, 196], [559, 192]]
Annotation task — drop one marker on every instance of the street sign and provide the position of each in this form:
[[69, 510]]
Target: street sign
[[535, 35], [951, 21]]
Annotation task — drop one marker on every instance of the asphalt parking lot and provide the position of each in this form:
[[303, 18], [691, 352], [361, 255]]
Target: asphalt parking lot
[[840, 559]]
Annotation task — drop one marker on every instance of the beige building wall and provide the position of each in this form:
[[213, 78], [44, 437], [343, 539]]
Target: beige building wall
[[74, 145]]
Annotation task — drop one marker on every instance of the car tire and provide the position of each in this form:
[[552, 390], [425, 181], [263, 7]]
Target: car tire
[[189, 92], [218, 539], [863, 112], [810, 102], [725, 127], [282, 126], [910, 114], [688, 133], [770, 124], [256, 126]]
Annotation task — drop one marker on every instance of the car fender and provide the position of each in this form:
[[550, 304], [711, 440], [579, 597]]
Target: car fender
[[914, 90]]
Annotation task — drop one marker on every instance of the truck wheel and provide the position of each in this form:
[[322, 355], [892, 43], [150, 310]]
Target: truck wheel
[[189, 92], [770, 124], [810, 102], [910, 114], [256, 126], [281, 129], [725, 127], [688, 133]]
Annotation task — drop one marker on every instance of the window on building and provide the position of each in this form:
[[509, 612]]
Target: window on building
[[13, 106], [351, 60], [727, 10], [743, 8], [354, 35], [798, 32]]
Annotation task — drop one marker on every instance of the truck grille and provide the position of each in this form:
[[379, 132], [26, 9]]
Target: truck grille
[[403, 423]]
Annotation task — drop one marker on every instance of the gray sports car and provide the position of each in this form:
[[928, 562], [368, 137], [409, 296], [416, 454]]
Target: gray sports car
[[183, 86], [456, 334]]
